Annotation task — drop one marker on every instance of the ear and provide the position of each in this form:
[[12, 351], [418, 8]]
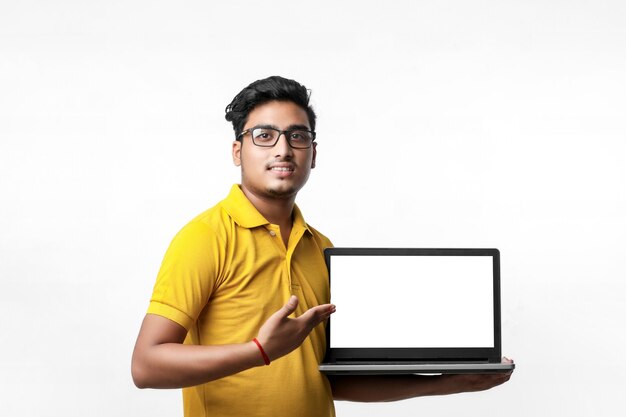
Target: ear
[[237, 153], [314, 145]]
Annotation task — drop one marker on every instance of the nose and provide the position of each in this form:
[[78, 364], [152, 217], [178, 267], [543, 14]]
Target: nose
[[282, 147]]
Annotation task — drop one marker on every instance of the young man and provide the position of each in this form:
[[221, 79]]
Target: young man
[[236, 310]]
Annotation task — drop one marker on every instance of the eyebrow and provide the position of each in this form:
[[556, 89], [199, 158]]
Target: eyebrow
[[290, 127]]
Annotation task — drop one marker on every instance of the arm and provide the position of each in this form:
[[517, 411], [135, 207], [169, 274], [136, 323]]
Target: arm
[[401, 387], [160, 360]]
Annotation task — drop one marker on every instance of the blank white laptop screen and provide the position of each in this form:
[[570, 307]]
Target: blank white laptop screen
[[412, 301]]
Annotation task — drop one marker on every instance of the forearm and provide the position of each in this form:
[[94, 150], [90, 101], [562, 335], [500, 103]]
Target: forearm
[[374, 388], [174, 365], [400, 387], [161, 360]]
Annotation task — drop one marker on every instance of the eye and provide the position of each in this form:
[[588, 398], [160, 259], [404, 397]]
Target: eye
[[264, 135], [300, 136]]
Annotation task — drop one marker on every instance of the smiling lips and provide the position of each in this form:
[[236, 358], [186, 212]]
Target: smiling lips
[[282, 168]]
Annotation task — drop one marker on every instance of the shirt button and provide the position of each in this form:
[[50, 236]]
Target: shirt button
[[272, 233]]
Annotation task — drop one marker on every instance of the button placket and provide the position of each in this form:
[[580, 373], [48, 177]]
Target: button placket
[[294, 240], [274, 232]]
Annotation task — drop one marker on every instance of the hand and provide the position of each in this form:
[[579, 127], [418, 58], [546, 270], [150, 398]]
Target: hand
[[279, 335], [477, 382]]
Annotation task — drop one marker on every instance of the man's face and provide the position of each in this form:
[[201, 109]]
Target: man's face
[[280, 171]]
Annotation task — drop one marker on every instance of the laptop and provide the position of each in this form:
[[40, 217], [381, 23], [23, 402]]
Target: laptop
[[414, 311]]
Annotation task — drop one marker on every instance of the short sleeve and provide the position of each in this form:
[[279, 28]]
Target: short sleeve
[[188, 274]]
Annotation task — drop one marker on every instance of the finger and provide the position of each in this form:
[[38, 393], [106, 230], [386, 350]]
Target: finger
[[316, 315], [290, 307]]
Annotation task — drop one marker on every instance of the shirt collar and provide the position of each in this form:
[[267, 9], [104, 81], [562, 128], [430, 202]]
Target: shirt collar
[[298, 220], [246, 215]]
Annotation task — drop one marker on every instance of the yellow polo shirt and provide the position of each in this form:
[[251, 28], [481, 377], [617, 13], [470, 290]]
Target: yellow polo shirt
[[224, 274]]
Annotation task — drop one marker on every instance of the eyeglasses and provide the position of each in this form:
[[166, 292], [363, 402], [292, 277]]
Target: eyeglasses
[[267, 137]]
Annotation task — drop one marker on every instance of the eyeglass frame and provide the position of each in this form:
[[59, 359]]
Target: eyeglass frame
[[280, 132]]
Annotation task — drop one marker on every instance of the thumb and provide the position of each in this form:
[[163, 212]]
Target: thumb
[[290, 307]]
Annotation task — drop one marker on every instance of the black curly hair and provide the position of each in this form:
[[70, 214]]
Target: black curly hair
[[262, 91]]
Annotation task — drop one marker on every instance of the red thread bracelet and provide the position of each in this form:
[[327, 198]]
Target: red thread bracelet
[[266, 359]]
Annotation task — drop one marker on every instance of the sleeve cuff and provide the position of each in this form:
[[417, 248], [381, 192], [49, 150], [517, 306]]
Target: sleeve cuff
[[171, 313]]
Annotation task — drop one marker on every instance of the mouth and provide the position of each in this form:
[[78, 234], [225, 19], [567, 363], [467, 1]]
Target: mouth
[[282, 169]]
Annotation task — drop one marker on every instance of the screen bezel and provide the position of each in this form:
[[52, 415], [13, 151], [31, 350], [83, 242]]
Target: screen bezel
[[487, 354]]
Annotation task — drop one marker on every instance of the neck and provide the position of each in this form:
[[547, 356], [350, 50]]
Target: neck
[[276, 210]]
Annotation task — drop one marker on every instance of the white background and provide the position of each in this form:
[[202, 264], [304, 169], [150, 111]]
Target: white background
[[441, 124]]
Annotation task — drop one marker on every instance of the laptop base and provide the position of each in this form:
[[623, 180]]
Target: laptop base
[[414, 368]]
